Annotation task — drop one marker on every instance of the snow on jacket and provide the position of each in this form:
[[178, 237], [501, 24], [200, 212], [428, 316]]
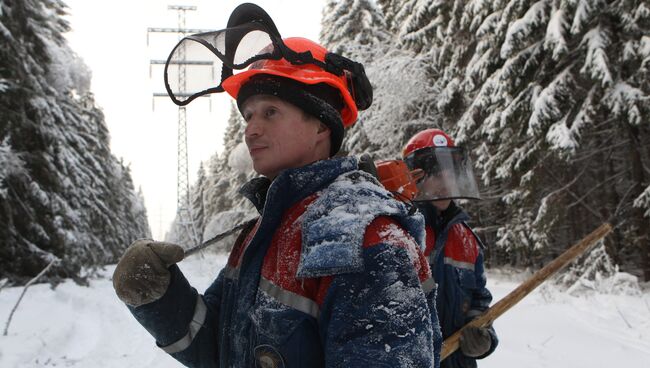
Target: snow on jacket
[[455, 255], [330, 275]]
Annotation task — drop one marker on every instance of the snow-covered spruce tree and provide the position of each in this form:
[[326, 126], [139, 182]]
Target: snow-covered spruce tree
[[399, 77], [228, 171], [198, 199], [389, 9], [63, 195], [225, 206], [414, 22], [553, 96], [216, 199], [354, 28]]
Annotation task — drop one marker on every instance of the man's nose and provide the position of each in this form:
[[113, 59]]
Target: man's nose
[[253, 128]]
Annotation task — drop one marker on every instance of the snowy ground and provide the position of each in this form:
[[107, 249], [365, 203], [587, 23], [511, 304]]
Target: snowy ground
[[75, 326]]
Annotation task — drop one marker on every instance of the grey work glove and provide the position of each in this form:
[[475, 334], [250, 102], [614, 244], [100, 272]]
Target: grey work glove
[[475, 341], [142, 276]]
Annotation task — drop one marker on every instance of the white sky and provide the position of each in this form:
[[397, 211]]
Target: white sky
[[111, 37]]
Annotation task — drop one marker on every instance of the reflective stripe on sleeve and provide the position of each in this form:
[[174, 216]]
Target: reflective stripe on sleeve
[[459, 264], [198, 318], [289, 298]]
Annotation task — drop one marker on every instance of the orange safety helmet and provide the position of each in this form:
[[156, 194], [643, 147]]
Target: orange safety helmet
[[309, 74], [251, 46], [255, 59]]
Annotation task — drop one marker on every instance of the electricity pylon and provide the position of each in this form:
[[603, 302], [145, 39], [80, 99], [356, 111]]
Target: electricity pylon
[[183, 202]]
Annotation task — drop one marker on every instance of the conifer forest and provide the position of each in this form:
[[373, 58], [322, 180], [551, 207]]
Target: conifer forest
[[551, 97]]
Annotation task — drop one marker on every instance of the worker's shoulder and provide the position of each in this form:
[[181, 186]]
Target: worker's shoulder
[[462, 244], [387, 230], [334, 226]]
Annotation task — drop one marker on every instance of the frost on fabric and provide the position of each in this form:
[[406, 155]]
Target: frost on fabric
[[335, 224], [386, 314], [272, 321], [394, 234]]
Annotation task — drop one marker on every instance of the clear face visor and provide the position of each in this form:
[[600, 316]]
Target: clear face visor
[[446, 174], [199, 63]]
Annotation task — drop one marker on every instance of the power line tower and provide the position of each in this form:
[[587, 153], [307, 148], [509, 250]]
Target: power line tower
[[183, 202]]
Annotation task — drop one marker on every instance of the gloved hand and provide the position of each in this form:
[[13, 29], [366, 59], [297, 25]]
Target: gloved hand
[[475, 341], [142, 276]]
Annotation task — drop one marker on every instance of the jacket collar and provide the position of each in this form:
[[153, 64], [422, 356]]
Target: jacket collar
[[295, 184]]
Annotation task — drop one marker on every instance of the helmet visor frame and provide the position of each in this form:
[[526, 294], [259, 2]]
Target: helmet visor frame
[[447, 174], [199, 63]]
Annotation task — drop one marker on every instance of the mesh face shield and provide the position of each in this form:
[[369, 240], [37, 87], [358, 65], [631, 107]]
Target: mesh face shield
[[199, 63], [447, 172]]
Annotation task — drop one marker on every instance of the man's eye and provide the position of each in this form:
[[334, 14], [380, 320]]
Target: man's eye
[[270, 112]]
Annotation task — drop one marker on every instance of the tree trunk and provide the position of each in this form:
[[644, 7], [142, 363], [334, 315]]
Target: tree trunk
[[638, 185]]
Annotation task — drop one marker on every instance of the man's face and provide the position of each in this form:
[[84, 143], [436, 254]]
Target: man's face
[[280, 136], [437, 186]]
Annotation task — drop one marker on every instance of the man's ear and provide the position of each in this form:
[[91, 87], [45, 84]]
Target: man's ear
[[324, 131], [322, 127]]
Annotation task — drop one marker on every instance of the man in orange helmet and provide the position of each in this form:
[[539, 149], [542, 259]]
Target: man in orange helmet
[[331, 274], [454, 251]]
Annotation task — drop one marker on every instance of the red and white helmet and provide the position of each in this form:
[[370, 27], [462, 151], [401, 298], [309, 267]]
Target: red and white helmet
[[447, 169], [427, 138]]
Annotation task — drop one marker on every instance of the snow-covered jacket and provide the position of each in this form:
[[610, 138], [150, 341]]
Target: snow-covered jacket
[[455, 254], [330, 275]]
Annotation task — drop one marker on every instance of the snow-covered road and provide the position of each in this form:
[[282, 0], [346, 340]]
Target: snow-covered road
[[75, 326]]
